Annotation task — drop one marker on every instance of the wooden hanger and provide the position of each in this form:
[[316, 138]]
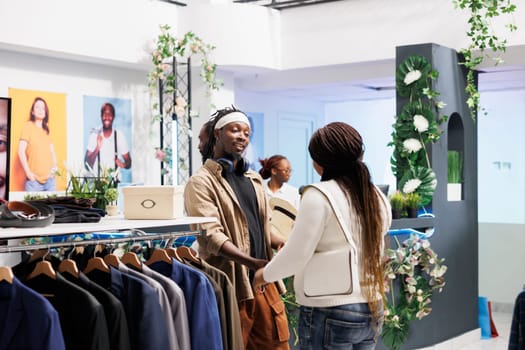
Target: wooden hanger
[[6, 274], [172, 253], [69, 266], [159, 255], [96, 263], [112, 260], [45, 268], [132, 259], [38, 254], [188, 253]]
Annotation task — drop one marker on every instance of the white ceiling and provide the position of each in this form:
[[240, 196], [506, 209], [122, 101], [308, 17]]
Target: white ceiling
[[324, 84]]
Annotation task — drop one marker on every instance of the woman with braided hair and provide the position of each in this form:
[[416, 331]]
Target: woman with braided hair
[[335, 248]]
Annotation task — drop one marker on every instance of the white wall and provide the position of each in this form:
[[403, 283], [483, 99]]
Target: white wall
[[24, 71], [271, 107], [373, 119], [501, 173], [117, 31]]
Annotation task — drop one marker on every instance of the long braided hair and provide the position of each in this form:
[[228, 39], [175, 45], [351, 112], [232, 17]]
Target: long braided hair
[[338, 148]]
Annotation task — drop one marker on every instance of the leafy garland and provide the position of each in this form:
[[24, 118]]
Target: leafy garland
[[166, 48], [482, 37], [420, 272], [415, 127]]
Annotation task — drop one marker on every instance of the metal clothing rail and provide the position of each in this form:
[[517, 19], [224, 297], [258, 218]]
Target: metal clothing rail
[[140, 236]]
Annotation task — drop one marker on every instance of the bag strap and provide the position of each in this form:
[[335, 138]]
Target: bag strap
[[337, 213], [115, 142]]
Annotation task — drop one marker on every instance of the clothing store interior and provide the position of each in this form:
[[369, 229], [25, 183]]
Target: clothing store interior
[[125, 95]]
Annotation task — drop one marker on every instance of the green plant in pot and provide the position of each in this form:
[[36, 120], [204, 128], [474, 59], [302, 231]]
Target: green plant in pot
[[412, 203], [111, 196], [92, 187], [455, 171], [397, 202]]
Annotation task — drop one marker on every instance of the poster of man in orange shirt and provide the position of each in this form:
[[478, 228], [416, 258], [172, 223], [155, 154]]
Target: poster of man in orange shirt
[[38, 141]]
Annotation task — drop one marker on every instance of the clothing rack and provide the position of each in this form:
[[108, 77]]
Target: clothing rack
[[166, 230], [138, 238]]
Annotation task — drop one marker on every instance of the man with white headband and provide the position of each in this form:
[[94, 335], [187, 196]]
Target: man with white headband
[[240, 241]]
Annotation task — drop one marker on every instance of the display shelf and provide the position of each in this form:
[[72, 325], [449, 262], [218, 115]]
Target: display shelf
[[108, 223], [416, 223]]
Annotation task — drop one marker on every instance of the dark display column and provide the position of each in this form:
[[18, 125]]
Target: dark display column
[[455, 310]]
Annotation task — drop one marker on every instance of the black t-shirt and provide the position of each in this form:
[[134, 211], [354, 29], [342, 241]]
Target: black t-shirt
[[243, 188]]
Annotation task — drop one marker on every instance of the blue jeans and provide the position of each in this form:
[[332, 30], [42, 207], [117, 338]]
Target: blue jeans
[[34, 186], [339, 327]]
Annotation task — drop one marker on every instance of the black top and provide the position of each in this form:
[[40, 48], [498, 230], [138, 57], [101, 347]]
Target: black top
[[243, 188]]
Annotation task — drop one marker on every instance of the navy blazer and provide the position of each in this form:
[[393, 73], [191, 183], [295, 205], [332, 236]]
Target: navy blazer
[[147, 328], [203, 313], [113, 310], [81, 316], [27, 320]]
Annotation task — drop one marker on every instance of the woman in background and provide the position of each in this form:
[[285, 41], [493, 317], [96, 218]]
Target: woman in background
[[278, 170], [344, 213], [35, 149]]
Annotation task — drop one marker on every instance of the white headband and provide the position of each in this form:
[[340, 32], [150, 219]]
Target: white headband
[[232, 117]]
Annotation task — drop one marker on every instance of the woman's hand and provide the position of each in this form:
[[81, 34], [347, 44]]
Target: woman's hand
[[258, 280]]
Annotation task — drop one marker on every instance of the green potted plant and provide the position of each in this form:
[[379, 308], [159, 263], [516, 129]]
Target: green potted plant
[[412, 202], [111, 196], [397, 202], [455, 170]]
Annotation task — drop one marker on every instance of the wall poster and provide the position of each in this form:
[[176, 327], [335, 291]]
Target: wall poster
[[107, 136], [5, 117], [38, 141]]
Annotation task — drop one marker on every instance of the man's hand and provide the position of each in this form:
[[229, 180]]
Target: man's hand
[[258, 280], [258, 264]]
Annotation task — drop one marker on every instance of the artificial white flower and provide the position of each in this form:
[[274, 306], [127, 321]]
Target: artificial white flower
[[411, 185], [420, 123], [412, 76], [412, 145], [181, 102]]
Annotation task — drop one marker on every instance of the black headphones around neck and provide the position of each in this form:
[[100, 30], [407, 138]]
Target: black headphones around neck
[[242, 165]]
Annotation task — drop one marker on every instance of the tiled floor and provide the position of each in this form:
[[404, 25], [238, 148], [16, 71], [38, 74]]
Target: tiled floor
[[473, 341], [502, 322]]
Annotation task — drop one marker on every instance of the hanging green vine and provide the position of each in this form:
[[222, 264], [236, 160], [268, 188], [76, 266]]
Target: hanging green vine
[[482, 37]]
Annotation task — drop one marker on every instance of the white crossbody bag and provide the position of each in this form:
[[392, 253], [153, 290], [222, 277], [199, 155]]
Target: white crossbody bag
[[331, 272]]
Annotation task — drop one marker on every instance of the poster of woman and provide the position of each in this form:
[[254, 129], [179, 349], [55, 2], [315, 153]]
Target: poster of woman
[[38, 141]]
